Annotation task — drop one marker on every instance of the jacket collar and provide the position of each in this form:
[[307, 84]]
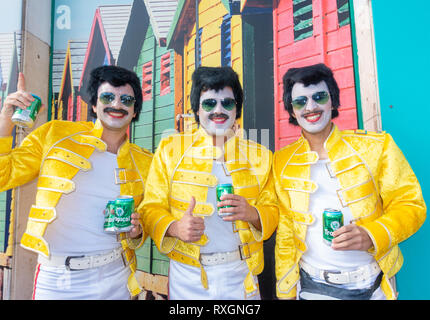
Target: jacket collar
[[97, 131], [204, 139], [331, 140]]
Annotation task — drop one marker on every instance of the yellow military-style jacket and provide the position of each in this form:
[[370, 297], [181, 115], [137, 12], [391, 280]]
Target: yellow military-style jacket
[[181, 168], [377, 184], [54, 153]]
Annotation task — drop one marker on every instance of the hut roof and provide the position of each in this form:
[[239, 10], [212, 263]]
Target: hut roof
[[58, 57], [115, 20], [161, 14], [7, 45]]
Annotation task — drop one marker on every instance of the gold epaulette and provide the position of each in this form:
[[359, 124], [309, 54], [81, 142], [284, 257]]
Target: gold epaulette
[[363, 132]]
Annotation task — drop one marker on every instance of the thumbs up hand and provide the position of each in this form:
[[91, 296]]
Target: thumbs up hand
[[188, 228], [20, 99]]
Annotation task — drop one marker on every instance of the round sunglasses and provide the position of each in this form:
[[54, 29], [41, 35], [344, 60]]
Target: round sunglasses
[[320, 97], [109, 97], [208, 104]]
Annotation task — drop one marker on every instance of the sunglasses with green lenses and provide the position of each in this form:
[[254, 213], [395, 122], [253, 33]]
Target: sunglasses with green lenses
[[320, 97], [228, 104], [109, 97]]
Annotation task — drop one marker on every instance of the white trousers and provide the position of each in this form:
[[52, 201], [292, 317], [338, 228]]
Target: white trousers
[[225, 282], [108, 282]]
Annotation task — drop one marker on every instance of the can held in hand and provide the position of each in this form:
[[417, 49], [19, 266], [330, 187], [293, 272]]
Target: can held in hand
[[221, 189], [109, 224], [332, 220], [124, 207], [25, 118]]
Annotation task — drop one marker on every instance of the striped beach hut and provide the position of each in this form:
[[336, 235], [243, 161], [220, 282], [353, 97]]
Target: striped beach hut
[[144, 50], [10, 46], [203, 33], [154, 65], [106, 36], [58, 57], [68, 103]]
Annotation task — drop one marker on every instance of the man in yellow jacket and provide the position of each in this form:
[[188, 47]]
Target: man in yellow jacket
[[364, 175], [215, 253], [80, 166]]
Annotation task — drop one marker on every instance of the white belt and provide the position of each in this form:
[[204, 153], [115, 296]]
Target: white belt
[[342, 277], [211, 259], [81, 262]]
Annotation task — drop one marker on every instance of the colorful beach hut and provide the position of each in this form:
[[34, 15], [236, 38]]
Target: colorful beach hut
[[106, 36], [144, 50], [68, 104], [218, 42], [10, 46], [308, 32]]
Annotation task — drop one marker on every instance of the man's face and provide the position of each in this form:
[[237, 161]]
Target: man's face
[[217, 111], [115, 106], [312, 106]]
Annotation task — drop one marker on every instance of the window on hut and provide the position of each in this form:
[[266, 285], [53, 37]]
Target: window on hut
[[165, 74], [343, 12], [226, 40], [302, 14], [147, 81]]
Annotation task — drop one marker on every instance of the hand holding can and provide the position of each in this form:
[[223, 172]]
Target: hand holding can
[[332, 220], [19, 99], [137, 229], [16, 101], [25, 118], [109, 213], [351, 237], [222, 189]]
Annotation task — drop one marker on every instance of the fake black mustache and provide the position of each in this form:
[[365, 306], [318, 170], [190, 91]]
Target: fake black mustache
[[311, 112], [108, 109], [218, 115]]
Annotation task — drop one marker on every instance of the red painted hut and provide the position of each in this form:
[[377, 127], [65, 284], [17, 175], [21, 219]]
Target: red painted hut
[[309, 32]]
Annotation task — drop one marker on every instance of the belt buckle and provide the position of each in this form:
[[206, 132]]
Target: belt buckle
[[325, 274], [67, 262], [244, 256]]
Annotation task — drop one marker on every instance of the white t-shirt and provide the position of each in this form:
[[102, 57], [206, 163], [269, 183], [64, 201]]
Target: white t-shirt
[[319, 254], [78, 228], [220, 232], [225, 281]]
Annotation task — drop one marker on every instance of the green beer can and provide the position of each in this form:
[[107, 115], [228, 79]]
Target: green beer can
[[221, 189], [124, 207], [25, 117], [332, 220], [109, 223]]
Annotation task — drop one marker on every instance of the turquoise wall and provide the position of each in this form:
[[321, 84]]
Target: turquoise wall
[[402, 40]]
